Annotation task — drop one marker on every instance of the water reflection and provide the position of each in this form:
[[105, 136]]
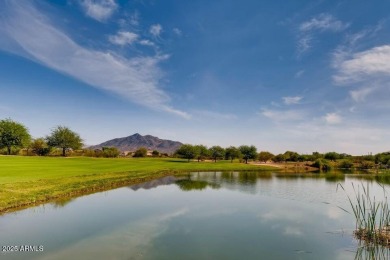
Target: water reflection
[[60, 203], [168, 180], [188, 185], [251, 215], [372, 252]]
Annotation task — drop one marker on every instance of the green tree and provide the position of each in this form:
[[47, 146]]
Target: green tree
[[279, 158], [187, 151], [248, 152], [141, 152], [217, 152], [265, 156], [13, 134], [201, 152], [333, 156], [232, 153], [291, 156], [40, 147], [155, 153], [316, 155], [64, 138]]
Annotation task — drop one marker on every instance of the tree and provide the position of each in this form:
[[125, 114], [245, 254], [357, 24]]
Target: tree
[[232, 153], [40, 147], [333, 156], [279, 158], [13, 134], [155, 153], [64, 138], [291, 156], [201, 152], [316, 155], [248, 152], [141, 152], [217, 152], [265, 156], [187, 151]]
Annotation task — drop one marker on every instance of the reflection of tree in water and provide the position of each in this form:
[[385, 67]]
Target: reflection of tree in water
[[330, 177], [247, 178], [334, 177], [60, 203], [188, 185], [383, 179], [368, 252]]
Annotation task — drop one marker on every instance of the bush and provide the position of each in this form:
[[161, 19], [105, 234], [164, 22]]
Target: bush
[[110, 152], [345, 164], [366, 165], [322, 165], [141, 152]]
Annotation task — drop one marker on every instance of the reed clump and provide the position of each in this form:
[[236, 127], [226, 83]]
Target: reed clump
[[372, 216]]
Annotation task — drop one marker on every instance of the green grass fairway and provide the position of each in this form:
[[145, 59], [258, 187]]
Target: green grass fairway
[[31, 180]]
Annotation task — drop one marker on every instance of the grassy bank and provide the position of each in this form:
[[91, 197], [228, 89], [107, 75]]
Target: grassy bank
[[28, 181]]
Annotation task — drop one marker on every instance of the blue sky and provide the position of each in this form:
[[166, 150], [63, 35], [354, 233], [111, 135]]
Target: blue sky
[[281, 75]]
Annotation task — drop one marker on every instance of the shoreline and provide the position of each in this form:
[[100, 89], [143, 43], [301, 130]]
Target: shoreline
[[29, 182]]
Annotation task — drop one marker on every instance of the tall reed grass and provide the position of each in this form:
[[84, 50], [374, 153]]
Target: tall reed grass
[[372, 216]]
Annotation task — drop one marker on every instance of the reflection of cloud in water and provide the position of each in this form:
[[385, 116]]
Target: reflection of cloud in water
[[292, 231], [131, 241], [154, 183], [282, 214], [334, 213]]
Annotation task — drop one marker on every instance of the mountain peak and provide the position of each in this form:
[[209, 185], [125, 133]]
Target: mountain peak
[[135, 141]]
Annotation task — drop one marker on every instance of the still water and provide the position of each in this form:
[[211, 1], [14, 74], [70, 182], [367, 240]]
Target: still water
[[197, 216]]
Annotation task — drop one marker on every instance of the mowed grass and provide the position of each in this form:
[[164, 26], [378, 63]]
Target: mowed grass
[[32, 180]]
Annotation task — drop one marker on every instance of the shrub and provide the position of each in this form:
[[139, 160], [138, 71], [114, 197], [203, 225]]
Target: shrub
[[345, 164], [322, 165], [141, 152], [110, 152]]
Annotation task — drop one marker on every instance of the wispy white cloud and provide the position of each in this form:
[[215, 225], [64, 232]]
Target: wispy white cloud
[[156, 30], [146, 42], [299, 74], [364, 65], [123, 38], [368, 32], [99, 10], [333, 118], [320, 23], [292, 100], [283, 115], [34, 37], [303, 45], [323, 22], [134, 19], [361, 94], [177, 31]]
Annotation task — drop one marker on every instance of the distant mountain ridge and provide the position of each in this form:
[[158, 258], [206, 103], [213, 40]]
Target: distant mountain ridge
[[135, 141]]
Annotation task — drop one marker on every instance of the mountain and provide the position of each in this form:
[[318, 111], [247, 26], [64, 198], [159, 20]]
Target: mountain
[[135, 141]]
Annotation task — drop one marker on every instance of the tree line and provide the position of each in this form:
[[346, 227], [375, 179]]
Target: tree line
[[324, 161], [14, 135]]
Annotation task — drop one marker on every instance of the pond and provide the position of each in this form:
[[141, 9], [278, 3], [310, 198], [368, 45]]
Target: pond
[[201, 215]]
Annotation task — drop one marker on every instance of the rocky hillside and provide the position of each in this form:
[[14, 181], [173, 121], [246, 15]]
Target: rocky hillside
[[133, 142]]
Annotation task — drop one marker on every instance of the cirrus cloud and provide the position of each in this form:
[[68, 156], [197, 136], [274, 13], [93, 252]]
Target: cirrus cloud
[[29, 33]]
